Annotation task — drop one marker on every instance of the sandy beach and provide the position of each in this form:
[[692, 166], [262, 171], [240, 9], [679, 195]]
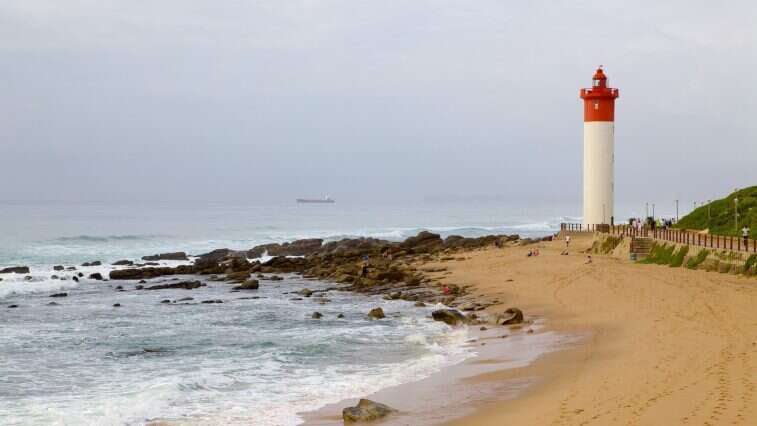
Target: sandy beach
[[664, 346]]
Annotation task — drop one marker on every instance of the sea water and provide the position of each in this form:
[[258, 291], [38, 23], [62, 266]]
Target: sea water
[[257, 358]]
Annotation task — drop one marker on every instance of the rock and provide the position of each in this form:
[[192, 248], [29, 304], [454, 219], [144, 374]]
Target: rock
[[179, 255], [139, 287], [419, 304], [28, 278], [140, 273], [165, 301], [12, 306], [119, 287], [376, 313], [212, 301], [71, 268], [340, 316], [184, 299], [94, 263], [96, 276], [80, 275], [53, 304], [123, 263], [366, 410], [248, 285], [187, 285], [54, 277], [75, 278], [238, 276], [306, 292], [59, 295], [295, 248], [316, 315], [423, 242], [58, 268], [275, 278], [510, 317], [15, 269], [451, 317], [116, 305]]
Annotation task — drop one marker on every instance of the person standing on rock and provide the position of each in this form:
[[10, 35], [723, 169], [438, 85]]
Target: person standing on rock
[[364, 268]]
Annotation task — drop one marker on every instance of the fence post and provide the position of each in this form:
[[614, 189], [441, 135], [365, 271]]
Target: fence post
[[731, 246]]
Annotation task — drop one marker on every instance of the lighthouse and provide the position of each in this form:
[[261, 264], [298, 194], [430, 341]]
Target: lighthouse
[[599, 150]]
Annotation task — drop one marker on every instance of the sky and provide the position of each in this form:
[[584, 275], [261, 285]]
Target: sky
[[370, 100]]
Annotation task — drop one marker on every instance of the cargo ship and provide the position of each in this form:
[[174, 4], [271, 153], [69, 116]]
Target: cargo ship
[[325, 199]]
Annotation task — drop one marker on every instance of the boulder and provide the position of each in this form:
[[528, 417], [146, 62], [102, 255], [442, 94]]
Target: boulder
[[93, 263], [420, 304], [123, 263], [179, 255], [95, 276], [306, 292], [12, 306], [212, 301], [186, 285], [248, 285], [59, 295], [422, 242], [376, 313], [511, 316], [451, 317], [139, 273], [15, 269], [238, 277], [58, 268], [116, 305], [75, 278], [365, 411], [316, 315]]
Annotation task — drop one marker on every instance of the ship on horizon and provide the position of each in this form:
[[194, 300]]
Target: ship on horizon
[[326, 199]]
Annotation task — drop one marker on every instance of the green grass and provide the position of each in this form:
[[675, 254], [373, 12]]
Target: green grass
[[721, 220], [678, 257], [660, 254], [609, 244], [750, 262], [697, 260]]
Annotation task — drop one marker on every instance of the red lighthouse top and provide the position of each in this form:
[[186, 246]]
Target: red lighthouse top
[[599, 101]]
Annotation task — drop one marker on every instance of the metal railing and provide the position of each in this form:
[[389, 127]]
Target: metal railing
[[679, 236]]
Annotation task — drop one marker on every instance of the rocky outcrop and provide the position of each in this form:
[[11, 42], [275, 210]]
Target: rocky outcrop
[[58, 268], [15, 269], [424, 242], [187, 285], [295, 248], [366, 411], [123, 263], [96, 276], [451, 317], [179, 255], [376, 313]]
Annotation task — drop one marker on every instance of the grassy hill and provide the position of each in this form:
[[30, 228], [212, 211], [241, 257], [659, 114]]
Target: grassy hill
[[720, 220]]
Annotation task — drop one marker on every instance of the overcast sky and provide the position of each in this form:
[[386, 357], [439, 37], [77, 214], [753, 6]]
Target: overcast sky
[[389, 100]]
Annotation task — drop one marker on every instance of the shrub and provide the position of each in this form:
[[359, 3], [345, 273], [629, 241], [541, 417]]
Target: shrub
[[695, 261], [677, 259]]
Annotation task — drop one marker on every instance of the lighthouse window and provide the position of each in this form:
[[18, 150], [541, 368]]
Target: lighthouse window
[[595, 83], [596, 105]]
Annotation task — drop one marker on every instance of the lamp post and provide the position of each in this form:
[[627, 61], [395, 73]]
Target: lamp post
[[646, 210], [676, 210], [736, 213]]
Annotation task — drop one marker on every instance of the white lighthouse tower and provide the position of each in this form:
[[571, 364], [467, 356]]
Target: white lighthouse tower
[[599, 150]]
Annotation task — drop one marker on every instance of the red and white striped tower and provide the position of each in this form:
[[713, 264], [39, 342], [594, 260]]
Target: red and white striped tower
[[599, 150]]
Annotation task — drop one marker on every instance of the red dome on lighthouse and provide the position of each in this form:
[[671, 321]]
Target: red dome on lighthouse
[[599, 101]]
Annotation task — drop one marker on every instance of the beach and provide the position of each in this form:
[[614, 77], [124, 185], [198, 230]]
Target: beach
[[662, 345]]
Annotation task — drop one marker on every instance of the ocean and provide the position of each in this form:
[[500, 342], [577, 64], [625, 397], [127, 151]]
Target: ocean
[[247, 360]]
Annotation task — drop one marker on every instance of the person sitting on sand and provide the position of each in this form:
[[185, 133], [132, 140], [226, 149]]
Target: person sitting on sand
[[588, 261], [530, 253]]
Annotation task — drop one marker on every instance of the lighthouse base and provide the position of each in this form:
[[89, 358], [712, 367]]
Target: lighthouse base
[[599, 171]]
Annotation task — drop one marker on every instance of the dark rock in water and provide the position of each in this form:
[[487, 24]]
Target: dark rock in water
[[150, 264], [165, 301], [118, 287], [423, 242], [123, 263], [179, 255], [116, 305], [238, 276], [59, 295], [295, 248], [15, 269], [376, 313], [71, 268], [419, 304], [510, 317], [96, 276], [275, 278], [54, 277], [95, 263], [366, 410], [187, 285], [80, 275], [140, 273], [305, 292], [142, 282], [340, 316], [316, 315], [218, 255], [12, 306], [184, 299], [28, 278], [75, 278], [248, 285], [53, 304], [296, 298], [212, 301], [139, 287], [58, 268], [449, 316]]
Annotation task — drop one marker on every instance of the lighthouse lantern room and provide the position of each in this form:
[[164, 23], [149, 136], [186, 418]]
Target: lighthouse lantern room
[[599, 150]]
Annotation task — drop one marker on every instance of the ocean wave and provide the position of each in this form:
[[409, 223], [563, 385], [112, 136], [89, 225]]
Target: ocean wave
[[106, 238], [18, 287]]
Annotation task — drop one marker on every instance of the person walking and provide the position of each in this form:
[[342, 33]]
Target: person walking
[[745, 236]]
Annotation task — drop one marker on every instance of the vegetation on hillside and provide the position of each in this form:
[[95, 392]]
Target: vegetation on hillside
[[719, 215]]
